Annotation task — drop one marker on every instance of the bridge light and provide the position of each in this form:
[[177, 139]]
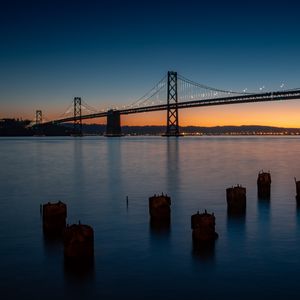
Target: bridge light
[[244, 90], [282, 85], [261, 88]]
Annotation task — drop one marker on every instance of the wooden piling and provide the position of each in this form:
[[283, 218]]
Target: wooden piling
[[236, 199], [159, 207], [54, 217], [264, 184], [203, 226], [297, 190], [78, 242]]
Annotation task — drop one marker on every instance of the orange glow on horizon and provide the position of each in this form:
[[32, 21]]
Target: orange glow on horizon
[[280, 114]]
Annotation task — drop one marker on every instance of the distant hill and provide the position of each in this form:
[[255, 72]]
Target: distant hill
[[16, 127], [195, 130], [12, 127]]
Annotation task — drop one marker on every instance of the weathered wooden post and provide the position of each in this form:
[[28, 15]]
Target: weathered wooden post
[[203, 226], [54, 217], [297, 190], [264, 184], [159, 207], [236, 199], [79, 243]]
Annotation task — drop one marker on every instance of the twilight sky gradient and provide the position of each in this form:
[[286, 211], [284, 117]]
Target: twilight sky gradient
[[112, 52]]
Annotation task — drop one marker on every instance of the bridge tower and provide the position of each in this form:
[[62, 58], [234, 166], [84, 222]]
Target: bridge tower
[[172, 110], [113, 125], [38, 117], [77, 125]]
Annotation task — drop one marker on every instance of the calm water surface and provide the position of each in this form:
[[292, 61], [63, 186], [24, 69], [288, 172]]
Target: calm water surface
[[256, 255]]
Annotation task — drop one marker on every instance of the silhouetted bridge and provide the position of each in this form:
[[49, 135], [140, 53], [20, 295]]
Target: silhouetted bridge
[[178, 93]]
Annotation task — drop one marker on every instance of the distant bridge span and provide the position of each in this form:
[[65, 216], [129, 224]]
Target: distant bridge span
[[173, 105]]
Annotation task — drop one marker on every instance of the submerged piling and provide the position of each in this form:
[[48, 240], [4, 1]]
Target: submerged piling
[[203, 226], [297, 190], [264, 184], [160, 207], [79, 243], [54, 217], [236, 199]]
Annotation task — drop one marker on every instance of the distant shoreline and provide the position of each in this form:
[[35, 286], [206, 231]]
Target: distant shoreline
[[15, 128]]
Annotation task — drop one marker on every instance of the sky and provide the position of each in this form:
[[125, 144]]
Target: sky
[[112, 52]]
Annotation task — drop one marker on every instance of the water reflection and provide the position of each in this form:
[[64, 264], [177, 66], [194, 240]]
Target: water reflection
[[236, 221], [204, 251], [76, 272], [78, 172], [160, 228], [264, 218], [264, 208], [236, 232], [263, 198], [172, 168], [53, 245], [114, 170], [298, 212]]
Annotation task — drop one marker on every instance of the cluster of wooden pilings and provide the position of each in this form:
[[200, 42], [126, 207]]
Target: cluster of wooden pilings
[[203, 224], [78, 238]]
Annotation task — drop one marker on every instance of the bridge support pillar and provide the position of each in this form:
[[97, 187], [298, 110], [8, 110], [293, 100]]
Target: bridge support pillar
[[77, 125], [172, 110], [38, 117], [113, 125], [38, 122]]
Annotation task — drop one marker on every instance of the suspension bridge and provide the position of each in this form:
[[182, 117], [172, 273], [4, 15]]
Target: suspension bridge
[[172, 93]]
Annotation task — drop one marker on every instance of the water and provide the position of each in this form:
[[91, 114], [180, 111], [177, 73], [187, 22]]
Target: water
[[257, 255]]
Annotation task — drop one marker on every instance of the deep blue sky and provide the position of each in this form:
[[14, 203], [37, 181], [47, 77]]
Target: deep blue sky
[[114, 51]]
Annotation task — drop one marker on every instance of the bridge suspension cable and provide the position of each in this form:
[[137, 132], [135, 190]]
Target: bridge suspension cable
[[88, 107], [189, 90], [153, 96], [206, 87], [67, 110]]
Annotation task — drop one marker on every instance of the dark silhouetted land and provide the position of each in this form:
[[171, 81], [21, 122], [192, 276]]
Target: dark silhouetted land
[[16, 127]]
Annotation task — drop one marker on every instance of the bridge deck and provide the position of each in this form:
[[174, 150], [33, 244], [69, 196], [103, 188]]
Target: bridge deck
[[251, 98]]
